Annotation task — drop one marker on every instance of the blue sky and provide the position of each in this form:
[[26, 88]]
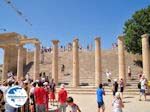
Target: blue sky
[[66, 19]]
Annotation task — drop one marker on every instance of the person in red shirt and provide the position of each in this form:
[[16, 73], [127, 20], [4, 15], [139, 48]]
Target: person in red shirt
[[46, 87], [40, 98], [62, 97]]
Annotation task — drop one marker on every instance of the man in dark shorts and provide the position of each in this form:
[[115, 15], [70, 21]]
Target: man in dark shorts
[[100, 92]]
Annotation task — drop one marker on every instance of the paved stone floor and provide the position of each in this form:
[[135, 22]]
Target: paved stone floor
[[88, 103]]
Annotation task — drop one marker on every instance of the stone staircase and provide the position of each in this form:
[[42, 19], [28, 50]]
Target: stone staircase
[[87, 68]]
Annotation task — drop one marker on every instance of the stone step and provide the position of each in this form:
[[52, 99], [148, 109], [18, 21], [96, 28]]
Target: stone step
[[93, 91]]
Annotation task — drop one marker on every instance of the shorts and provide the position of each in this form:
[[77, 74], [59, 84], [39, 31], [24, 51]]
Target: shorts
[[121, 89], [129, 74], [142, 91], [101, 105], [109, 80], [114, 92]]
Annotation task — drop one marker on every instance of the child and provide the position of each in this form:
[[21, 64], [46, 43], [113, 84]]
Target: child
[[72, 107], [117, 103]]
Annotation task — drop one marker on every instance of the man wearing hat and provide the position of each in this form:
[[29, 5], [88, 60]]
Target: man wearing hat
[[62, 97]]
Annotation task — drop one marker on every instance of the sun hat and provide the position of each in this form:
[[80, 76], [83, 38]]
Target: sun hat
[[62, 86], [117, 95]]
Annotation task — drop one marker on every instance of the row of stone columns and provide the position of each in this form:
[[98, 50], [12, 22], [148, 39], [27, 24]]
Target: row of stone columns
[[76, 79], [98, 71], [98, 74]]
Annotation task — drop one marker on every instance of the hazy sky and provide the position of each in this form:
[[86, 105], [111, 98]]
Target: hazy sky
[[66, 19]]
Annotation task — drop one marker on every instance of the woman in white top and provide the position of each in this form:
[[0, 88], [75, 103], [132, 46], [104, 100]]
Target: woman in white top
[[117, 103]]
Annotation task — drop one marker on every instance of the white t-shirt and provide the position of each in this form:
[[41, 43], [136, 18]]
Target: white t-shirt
[[117, 105], [143, 84], [108, 74]]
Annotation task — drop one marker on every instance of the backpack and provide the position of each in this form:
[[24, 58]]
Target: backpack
[[139, 85]]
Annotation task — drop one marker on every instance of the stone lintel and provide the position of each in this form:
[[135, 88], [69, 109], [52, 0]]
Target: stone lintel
[[27, 40]]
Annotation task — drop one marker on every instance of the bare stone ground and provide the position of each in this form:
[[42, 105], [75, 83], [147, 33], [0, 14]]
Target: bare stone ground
[[88, 103]]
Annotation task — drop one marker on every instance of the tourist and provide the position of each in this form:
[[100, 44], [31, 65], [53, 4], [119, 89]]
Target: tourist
[[40, 98], [9, 108], [32, 99], [108, 75], [52, 91], [117, 103], [62, 97], [121, 85], [129, 72], [46, 87], [4, 87], [100, 92], [115, 87], [2, 102], [143, 83], [140, 75], [25, 107], [62, 68], [72, 107]]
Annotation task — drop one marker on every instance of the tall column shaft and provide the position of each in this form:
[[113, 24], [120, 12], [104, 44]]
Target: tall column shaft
[[55, 61], [75, 63], [27, 57], [121, 58], [5, 64], [20, 63], [98, 74], [36, 61], [146, 55]]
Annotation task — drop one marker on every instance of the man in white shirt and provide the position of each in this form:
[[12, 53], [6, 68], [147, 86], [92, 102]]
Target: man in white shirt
[[143, 82]]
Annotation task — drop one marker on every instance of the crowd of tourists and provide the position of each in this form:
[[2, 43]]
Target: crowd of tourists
[[41, 96], [67, 47]]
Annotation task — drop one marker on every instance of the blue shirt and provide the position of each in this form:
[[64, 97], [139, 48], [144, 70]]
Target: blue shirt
[[99, 94]]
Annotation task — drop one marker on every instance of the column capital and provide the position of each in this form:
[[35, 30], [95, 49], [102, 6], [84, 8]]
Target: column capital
[[121, 37], [55, 42], [97, 38], [145, 35], [75, 39], [37, 44]]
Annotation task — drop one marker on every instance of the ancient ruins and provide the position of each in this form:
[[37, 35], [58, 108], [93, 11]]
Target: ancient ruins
[[15, 56]]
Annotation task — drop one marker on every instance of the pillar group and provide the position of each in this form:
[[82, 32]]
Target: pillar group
[[75, 50]]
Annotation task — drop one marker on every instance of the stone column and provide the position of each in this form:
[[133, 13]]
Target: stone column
[[75, 76], [146, 55], [98, 74], [121, 58], [36, 61], [6, 63], [27, 57], [20, 62], [55, 61]]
